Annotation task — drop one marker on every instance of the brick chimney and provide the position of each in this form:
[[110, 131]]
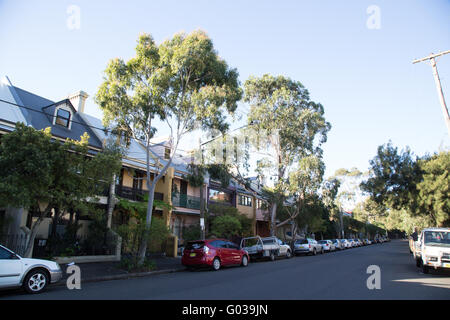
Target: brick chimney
[[78, 100]]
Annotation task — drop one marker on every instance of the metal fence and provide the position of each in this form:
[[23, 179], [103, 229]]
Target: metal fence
[[15, 242]]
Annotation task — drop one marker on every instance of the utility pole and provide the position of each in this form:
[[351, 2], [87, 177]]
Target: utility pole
[[432, 60]]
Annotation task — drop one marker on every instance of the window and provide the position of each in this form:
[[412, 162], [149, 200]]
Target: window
[[5, 254], [219, 196], [231, 245], [63, 117], [218, 244], [245, 201], [167, 153]]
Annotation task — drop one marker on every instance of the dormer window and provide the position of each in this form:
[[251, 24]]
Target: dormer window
[[167, 153], [63, 117]]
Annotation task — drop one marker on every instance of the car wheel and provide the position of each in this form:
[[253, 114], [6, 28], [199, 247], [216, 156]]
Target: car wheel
[[321, 252], [216, 264], [272, 256], [244, 261], [314, 252], [288, 254], [36, 281], [418, 262], [425, 269]]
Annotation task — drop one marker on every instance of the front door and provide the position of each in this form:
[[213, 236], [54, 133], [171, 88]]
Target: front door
[[183, 194]]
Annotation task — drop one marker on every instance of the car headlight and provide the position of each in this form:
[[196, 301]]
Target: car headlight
[[431, 259]]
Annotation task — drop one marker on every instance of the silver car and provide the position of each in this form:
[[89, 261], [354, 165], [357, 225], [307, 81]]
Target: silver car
[[327, 245], [338, 244], [32, 274], [307, 246], [346, 244]]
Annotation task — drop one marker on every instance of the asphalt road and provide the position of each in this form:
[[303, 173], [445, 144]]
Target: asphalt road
[[336, 275]]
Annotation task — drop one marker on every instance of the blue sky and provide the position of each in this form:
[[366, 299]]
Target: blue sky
[[365, 79]]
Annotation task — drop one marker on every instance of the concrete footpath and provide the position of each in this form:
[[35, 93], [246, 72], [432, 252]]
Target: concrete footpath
[[104, 271]]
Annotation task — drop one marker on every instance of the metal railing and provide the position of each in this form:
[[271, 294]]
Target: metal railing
[[135, 194], [185, 201], [15, 242]]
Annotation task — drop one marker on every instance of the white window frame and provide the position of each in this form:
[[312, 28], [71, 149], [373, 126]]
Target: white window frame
[[65, 108]]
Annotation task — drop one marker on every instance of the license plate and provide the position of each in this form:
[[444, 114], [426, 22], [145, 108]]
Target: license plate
[[192, 255], [446, 265]]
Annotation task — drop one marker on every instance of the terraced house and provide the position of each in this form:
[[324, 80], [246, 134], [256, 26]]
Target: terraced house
[[67, 119]]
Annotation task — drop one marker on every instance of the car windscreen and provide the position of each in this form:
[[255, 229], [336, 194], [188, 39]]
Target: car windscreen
[[437, 238], [301, 241], [194, 245]]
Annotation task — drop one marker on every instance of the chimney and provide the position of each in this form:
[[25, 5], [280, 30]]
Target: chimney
[[78, 100]]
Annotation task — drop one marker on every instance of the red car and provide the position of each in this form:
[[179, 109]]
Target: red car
[[213, 253]]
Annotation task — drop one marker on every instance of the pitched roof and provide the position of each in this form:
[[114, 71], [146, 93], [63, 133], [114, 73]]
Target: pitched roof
[[39, 114]]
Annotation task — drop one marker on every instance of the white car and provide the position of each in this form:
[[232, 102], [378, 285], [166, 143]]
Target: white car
[[285, 249], [32, 274], [327, 245], [308, 246], [346, 244], [338, 244], [432, 249]]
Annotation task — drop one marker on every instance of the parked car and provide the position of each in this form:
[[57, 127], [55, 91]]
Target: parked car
[[33, 275], [258, 248], [338, 244], [352, 243], [432, 249], [367, 242], [307, 246], [285, 249], [346, 244], [359, 242], [327, 245], [213, 253]]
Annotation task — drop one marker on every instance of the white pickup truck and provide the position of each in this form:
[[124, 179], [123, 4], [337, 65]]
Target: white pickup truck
[[270, 247], [432, 249]]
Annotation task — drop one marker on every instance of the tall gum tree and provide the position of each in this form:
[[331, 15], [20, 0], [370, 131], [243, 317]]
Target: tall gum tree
[[182, 82], [295, 127]]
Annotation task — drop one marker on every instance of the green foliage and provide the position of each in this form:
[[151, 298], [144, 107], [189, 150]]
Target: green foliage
[[192, 232], [220, 172], [414, 189], [135, 230], [130, 264], [225, 226], [434, 188], [222, 227], [393, 179], [293, 126], [36, 171]]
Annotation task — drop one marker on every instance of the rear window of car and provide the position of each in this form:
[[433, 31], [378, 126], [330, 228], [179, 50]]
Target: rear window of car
[[195, 245], [268, 241], [301, 241], [322, 241]]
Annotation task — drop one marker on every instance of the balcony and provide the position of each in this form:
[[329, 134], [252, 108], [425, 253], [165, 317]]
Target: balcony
[[135, 194], [185, 201]]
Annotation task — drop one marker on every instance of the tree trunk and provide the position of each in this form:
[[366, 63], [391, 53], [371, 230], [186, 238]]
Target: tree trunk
[[148, 222], [30, 245], [111, 201], [202, 214], [273, 227]]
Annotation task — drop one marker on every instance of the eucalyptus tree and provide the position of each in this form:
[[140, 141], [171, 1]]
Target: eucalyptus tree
[[290, 124], [182, 82]]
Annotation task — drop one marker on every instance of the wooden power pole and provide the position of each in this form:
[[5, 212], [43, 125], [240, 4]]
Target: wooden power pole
[[432, 60]]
